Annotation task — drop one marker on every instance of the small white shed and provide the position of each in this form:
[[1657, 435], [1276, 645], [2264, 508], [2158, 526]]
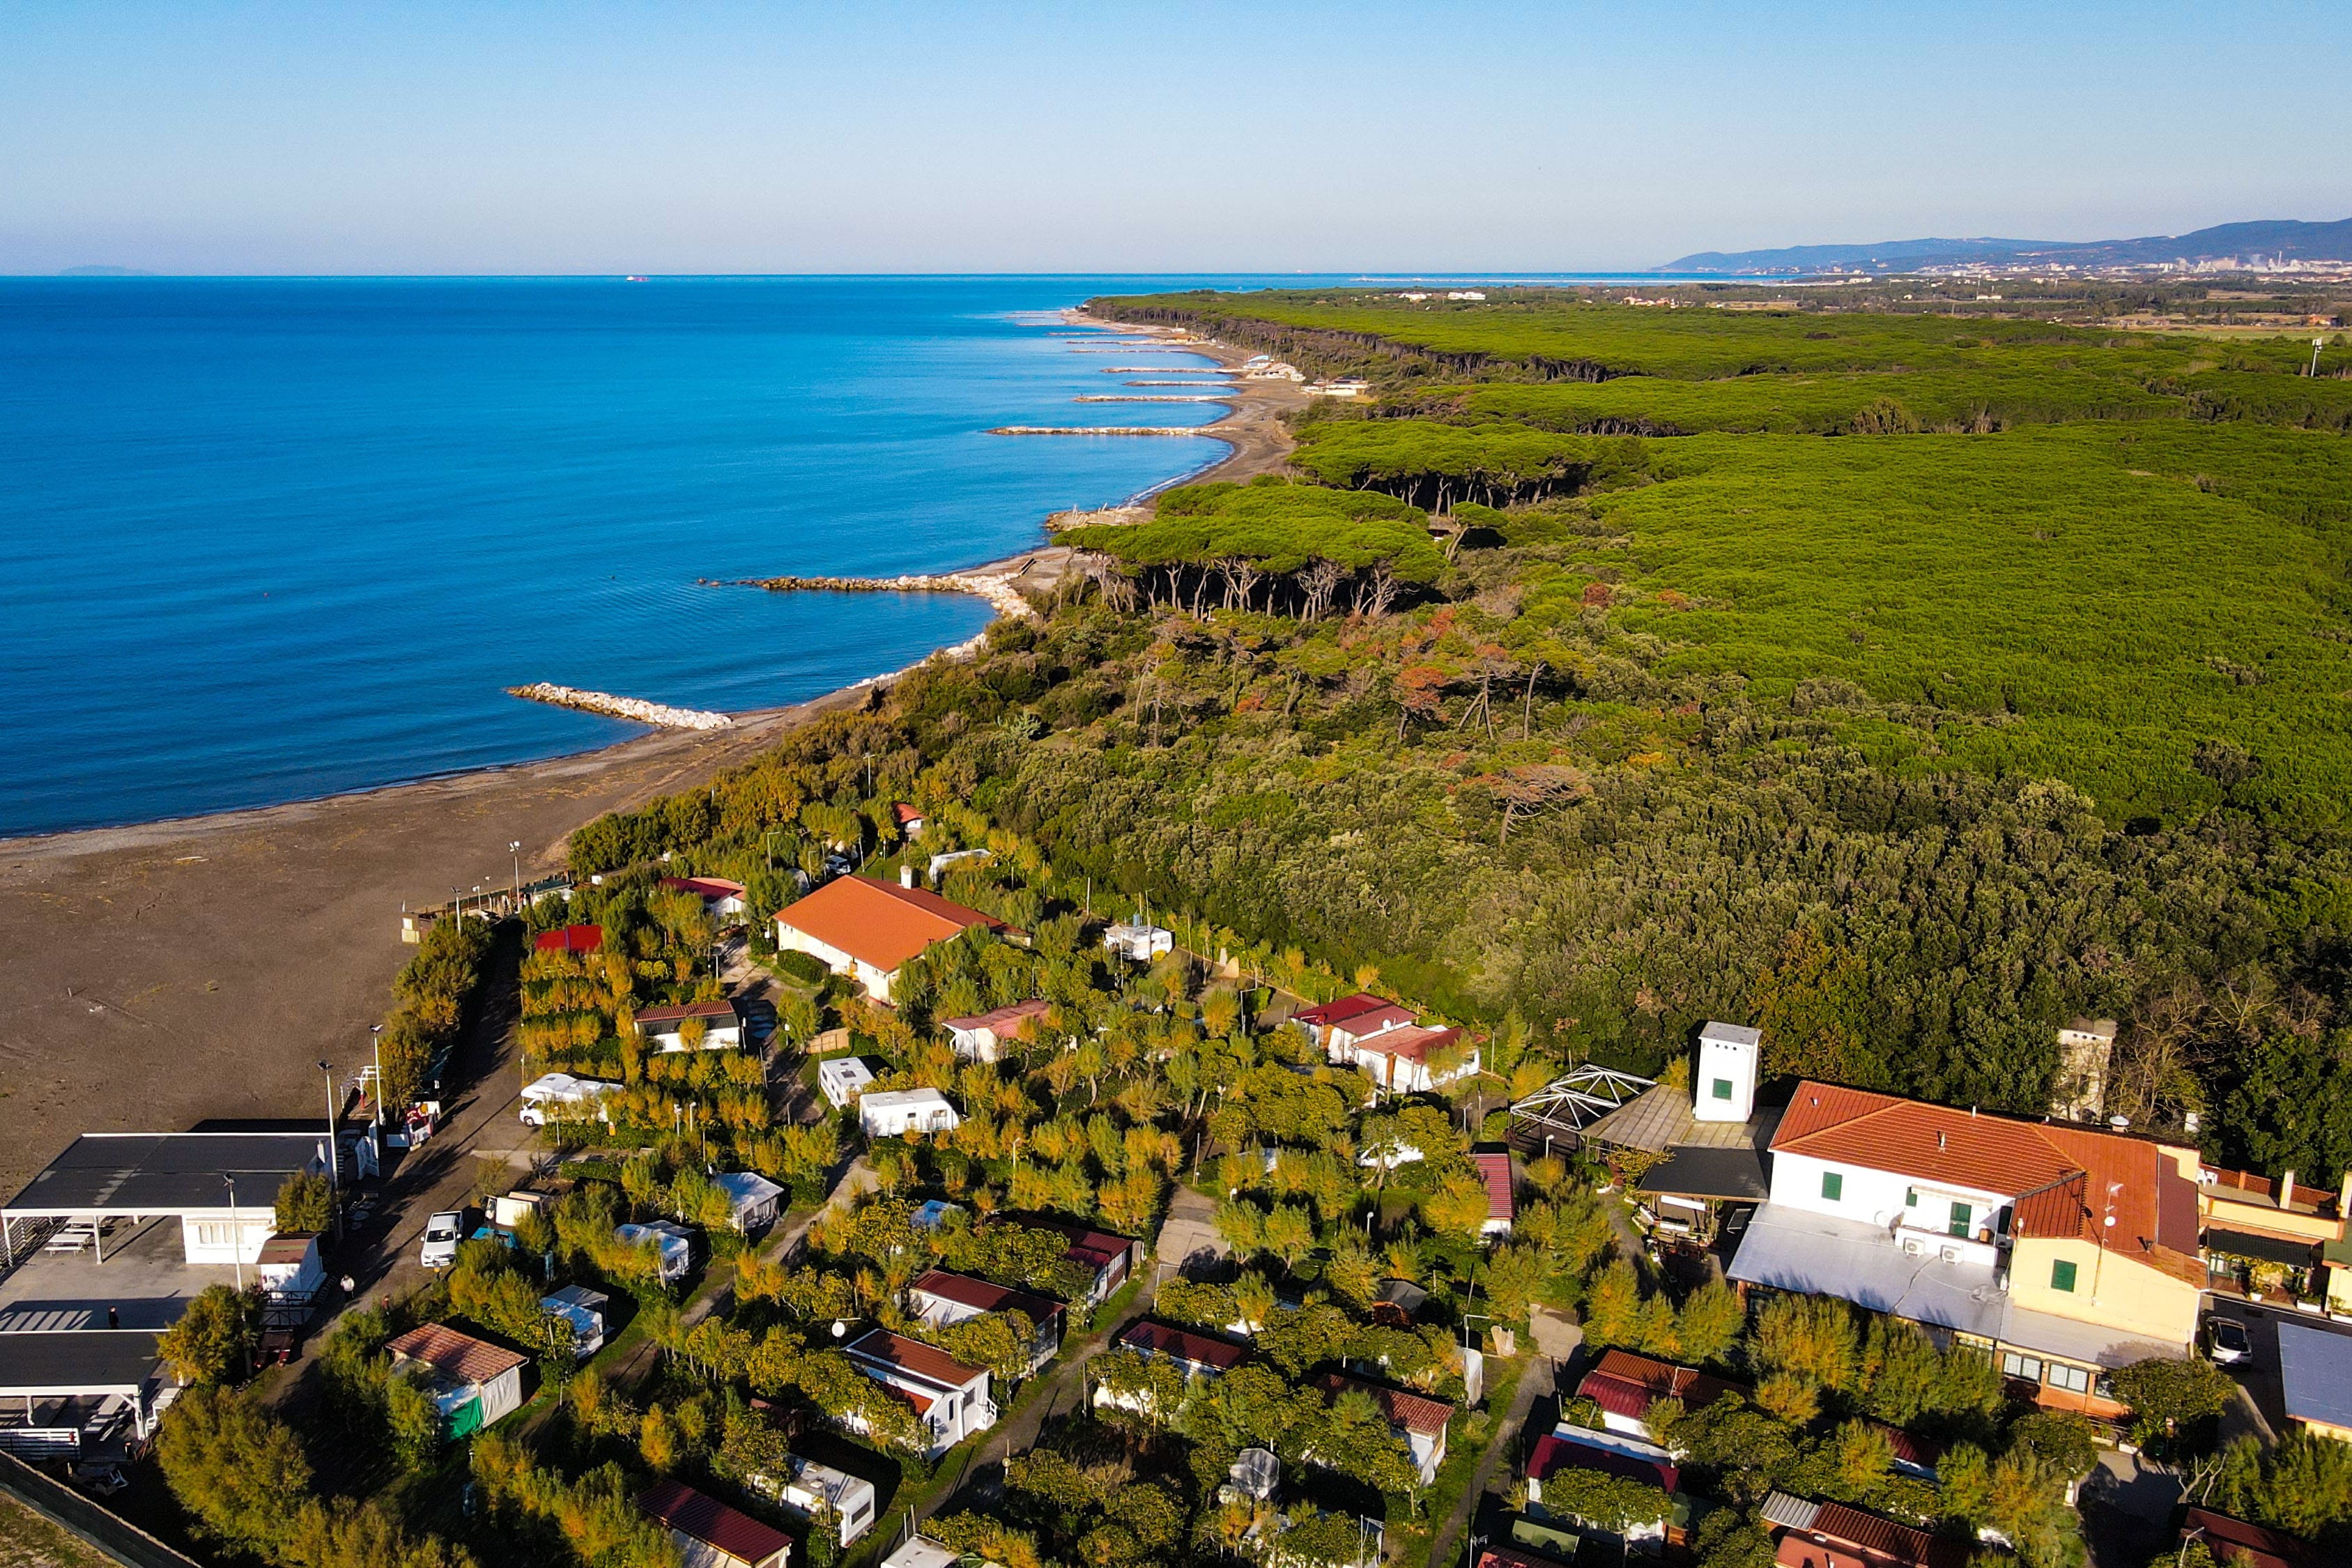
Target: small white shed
[[842, 1078], [584, 1310], [754, 1200], [1138, 940], [815, 1489], [902, 1113], [674, 1242]]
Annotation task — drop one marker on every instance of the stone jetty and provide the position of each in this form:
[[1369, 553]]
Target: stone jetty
[[658, 714], [1099, 430], [997, 590]]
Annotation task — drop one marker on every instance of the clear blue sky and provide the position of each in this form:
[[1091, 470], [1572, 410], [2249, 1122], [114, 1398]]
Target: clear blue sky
[[587, 137]]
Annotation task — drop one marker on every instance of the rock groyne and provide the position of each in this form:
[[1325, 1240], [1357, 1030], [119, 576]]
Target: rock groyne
[[658, 714], [997, 590], [1099, 430]]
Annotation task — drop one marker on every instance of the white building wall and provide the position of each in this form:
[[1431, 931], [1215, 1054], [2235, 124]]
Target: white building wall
[[1722, 1064], [1877, 1197], [876, 981], [208, 1236]]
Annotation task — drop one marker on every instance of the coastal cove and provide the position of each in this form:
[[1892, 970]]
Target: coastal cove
[[336, 521]]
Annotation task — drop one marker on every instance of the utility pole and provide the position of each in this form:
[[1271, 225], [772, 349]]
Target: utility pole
[[375, 1042], [2315, 343], [514, 847]]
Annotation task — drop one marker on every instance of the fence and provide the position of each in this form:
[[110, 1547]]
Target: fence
[[63, 1506]]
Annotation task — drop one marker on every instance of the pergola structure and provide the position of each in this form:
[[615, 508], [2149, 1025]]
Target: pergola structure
[[1561, 1110]]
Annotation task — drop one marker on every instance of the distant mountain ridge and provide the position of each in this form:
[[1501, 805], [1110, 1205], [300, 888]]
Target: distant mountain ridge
[[2267, 237]]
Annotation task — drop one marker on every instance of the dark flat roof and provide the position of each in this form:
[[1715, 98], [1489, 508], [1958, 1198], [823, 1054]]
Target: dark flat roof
[[167, 1173], [1696, 1171], [76, 1361], [2315, 1373]]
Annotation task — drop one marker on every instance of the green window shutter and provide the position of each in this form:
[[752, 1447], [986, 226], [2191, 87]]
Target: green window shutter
[[1723, 1089], [1833, 1184], [2061, 1275], [1961, 1216]]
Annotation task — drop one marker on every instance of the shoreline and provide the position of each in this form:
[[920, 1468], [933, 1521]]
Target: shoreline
[[168, 971], [1245, 457]]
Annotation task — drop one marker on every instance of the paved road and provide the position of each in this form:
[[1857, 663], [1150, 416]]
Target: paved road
[[478, 1121], [1534, 1384], [1063, 1386]]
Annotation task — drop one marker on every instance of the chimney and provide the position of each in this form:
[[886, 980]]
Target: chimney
[[906, 876], [2286, 1189]]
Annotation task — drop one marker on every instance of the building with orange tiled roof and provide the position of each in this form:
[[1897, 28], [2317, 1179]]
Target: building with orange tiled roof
[[2067, 1252], [868, 929]]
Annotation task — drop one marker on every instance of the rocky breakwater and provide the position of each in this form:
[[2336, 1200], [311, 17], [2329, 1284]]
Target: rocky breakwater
[[658, 714], [995, 587]]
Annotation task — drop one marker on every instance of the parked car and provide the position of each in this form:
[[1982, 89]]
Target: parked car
[[2226, 1342], [441, 1234]]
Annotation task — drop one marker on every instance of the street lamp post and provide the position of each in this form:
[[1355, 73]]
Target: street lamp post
[[236, 1234], [334, 1155], [375, 1043], [514, 847]]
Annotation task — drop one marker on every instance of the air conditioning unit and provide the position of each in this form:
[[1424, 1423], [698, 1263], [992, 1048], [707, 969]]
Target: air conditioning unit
[[1913, 1245], [1950, 1255]]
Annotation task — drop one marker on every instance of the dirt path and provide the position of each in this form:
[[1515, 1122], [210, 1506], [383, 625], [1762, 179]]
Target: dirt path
[[1534, 1384]]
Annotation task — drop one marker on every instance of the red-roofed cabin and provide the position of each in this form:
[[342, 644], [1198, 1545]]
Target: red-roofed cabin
[[1625, 1386], [722, 898], [570, 939], [1318, 1020], [1109, 1255], [1554, 1454], [952, 1398], [909, 819], [1192, 1355], [1405, 1058], [1831, 1535], [709, 1534], [1417, 1418], [2242, 1546], [1502, 1208], [982, 1036], [666, 1027], [942, 1299]]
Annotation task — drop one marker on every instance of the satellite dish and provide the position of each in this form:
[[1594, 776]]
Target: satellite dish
[[839, 1328]]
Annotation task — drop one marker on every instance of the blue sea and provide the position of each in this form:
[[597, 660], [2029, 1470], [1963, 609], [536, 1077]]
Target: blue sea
[[262, 539]]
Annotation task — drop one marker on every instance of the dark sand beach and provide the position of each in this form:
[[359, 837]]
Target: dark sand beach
[[162, 974]]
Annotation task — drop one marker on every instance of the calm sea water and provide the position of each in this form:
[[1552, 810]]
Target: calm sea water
[[266, 540]]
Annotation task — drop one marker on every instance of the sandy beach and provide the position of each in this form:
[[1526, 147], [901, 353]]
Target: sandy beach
[[202, 967]]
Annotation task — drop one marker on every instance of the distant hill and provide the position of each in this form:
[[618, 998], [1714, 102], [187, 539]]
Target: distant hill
[[2269, 237], [106, 272]]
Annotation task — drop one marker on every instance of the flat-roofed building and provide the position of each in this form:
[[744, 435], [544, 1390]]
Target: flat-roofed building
[[221, 1186]]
